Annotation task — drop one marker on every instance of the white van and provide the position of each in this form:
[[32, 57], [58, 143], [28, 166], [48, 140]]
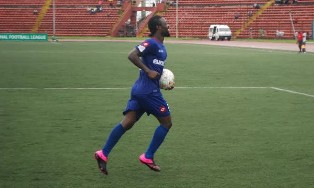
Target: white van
[[219, 32]]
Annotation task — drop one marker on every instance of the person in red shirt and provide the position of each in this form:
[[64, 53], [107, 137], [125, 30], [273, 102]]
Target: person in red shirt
[[300, 41]]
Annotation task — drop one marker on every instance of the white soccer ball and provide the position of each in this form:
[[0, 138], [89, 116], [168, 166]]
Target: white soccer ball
[[167, 79]]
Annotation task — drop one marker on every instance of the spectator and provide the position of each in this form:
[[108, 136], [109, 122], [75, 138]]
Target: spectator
[[303, 42], [250, 13], [92, 10], [279, 33], [278, 2], [119, 3], [300, 41], [111, 4], [251, 32], [257, 6], [309, 36], [262, 33], [236, 16], [35, 12], [99, 6]]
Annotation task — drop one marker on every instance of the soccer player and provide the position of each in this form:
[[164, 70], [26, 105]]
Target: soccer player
[[146, 97]]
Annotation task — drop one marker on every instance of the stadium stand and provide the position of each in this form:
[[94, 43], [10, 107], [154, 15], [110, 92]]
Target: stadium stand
[[196, 16], [79, 22], [74, 18], [21, 2], [16, 20]]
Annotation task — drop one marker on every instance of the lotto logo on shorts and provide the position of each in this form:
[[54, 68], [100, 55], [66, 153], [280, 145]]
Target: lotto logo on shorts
[[163, 109]]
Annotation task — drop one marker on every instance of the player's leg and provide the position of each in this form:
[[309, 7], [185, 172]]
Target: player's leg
[[159, 136], [132, 114], [159, 108], [127, 123], [102, 155]]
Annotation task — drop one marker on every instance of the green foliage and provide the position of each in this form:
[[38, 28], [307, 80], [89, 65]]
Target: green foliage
[[221, 137]]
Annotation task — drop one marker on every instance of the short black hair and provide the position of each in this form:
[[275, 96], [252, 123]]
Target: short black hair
[[153, 23]]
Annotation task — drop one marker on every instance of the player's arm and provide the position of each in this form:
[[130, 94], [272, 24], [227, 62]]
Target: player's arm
[[134, 57]]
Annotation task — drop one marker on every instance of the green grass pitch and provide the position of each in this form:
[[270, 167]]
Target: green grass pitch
[[241, 117]]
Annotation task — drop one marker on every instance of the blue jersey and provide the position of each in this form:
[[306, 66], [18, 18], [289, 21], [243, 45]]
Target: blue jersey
[[154, 56]]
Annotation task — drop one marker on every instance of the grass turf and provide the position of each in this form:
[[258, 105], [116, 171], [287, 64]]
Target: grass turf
[[224, 135]]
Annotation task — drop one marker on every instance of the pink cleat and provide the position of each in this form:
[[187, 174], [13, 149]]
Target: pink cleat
[[101, 161], [149, 162]]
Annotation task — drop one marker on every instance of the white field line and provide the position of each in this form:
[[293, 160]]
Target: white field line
[[18, 88], [65, 88], [183, 87], [104, 88], [290, 91], [230, 87]]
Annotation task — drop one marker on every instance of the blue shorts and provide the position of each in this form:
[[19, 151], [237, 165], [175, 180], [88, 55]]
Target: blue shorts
[[150, 103]]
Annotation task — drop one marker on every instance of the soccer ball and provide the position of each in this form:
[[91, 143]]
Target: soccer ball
[[167, 79]]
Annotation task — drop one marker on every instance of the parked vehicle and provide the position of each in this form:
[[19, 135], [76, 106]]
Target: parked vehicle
[[219, 32]]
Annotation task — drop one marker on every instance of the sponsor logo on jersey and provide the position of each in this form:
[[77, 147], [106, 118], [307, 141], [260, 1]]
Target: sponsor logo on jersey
[[159, 62], [163, 109]]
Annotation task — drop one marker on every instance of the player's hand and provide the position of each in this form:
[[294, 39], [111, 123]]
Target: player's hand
[[171, 86], [153, 74]]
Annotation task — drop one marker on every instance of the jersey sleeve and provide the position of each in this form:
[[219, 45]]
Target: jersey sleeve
[[146, 47]]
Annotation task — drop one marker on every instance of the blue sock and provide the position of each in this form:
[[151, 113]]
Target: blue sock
[[158, 138], [113, 139]]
